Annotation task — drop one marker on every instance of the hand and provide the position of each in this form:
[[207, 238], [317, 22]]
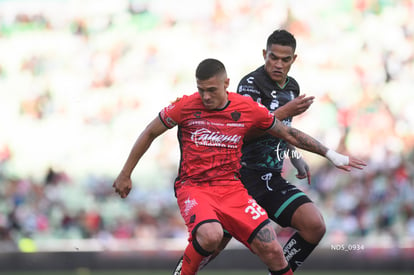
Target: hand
[[353, 163], [344, 162], [122, 185], [298, 105], [302, 168]]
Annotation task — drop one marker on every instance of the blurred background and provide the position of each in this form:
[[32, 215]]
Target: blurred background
[[80, 79]]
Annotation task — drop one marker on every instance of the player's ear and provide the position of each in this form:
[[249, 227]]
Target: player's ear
[[226, 82], [264, 54], [294, 57]]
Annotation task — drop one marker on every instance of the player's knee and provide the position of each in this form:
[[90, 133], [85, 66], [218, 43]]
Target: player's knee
[[209, 235], [318, 228], [309, 222], [314, 229]]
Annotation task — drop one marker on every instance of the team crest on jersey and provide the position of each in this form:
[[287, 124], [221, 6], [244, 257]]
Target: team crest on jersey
[[197, 114], [235, 115]]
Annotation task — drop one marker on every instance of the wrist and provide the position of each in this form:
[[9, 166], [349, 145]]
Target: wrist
[[125, 173], [336, 158], [280, 113]]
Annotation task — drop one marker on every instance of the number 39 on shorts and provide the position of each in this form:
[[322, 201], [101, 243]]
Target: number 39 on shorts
[[255, 210]]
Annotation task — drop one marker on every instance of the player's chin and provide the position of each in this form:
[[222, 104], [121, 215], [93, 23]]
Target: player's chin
[[209, 106], [277, 76]]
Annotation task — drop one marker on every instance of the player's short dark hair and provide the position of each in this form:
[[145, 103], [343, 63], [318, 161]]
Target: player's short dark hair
[[281, 37], [208, 68]]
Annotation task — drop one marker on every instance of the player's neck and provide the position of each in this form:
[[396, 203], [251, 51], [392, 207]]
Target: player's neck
[[282, 84], [223, 105]]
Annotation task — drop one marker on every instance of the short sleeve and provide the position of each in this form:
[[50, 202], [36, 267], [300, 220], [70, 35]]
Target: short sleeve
[[170, 115], [263, 117]]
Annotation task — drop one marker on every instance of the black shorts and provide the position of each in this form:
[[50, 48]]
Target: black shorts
[[273, 193]]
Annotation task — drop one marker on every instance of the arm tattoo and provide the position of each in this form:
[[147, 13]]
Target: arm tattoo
[[298, 138], [307, 142], [266, 235]]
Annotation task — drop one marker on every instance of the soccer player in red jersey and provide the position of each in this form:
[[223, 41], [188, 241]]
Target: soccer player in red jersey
[[263, 155], [211, 126]]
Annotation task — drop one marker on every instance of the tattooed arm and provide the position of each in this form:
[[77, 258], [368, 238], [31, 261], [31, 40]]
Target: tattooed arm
[[297, 138], [308, 143]]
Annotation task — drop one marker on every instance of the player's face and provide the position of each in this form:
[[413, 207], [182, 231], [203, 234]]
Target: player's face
[[278, 60], [213, 91]]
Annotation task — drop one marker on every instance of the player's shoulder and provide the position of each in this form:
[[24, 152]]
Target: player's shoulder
[[243, 100], [249, 107], [293, 81], [239, 98], [255, 76], [186, 98]]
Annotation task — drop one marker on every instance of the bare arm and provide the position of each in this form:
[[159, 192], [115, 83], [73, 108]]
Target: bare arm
[[123, 182], [297, 138], [308, 143], [293, 108]]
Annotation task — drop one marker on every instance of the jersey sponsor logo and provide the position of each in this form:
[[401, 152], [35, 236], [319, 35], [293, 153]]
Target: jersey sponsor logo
[[189, 204], [250, 79], [284, 192], [274, 104], [248, 89], [206, 137], [240, 125], [197, 122]]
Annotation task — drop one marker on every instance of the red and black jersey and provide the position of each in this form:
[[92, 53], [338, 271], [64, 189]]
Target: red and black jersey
[[211, 140]]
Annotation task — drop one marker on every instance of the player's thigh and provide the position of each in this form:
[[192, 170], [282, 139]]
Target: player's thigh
[[209, 235], [241, 215], [282, 204], [196, 207]]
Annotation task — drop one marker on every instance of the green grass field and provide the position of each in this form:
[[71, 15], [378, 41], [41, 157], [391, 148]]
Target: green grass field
[[205, 272]]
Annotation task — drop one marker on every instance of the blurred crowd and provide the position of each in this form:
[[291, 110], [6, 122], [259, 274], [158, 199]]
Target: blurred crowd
[[80, 79]]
